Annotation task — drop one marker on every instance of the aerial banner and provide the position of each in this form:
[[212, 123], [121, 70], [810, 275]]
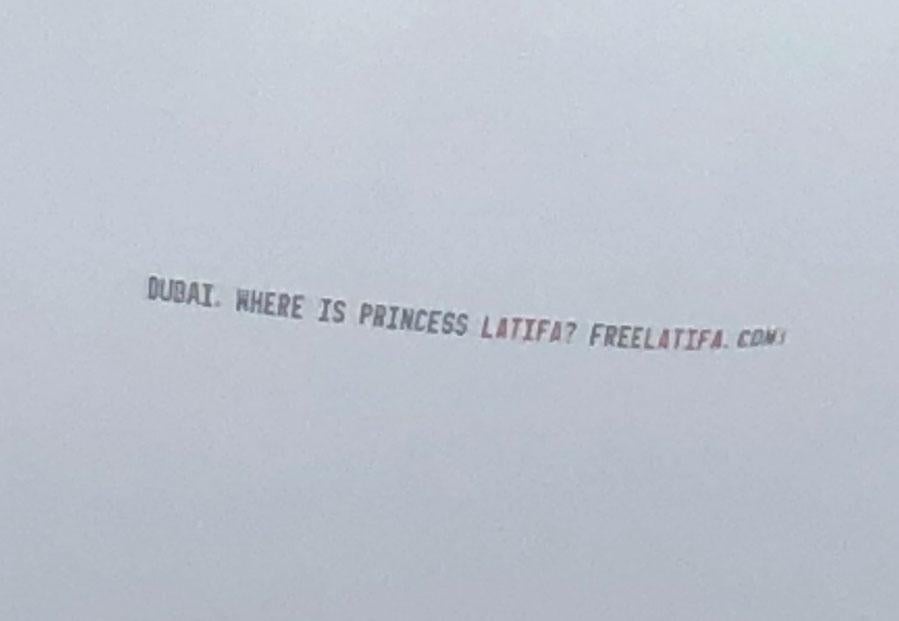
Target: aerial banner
[[461, 323]]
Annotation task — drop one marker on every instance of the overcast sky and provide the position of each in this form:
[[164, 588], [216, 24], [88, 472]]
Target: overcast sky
[[702, 163]]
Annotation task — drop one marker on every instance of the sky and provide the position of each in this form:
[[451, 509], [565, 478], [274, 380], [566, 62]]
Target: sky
[[655, 163]]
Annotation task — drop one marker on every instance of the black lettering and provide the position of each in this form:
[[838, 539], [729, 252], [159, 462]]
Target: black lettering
[[703, 338], [758, 337], [623, 335], [611, 331], [296, 306], [516, 322], [380, 311], [572, 328], [419, 316], [365, 312], [595, 332], [193, 293], [433, 321], [391, 325], [339, 311], [462, 324], [718, 339], [542, 327], [325, 303], [243, 300], [635, 337], [283, 304], [207, 295], [407, 321], [257, 302], [529, 326], [448, 320], [152, 288], [691, 335], [178, 294]]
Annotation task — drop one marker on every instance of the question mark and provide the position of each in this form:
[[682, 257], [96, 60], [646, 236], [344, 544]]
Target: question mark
[[572, 327]]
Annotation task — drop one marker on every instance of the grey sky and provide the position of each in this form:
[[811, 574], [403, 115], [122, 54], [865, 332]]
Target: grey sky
[[707, 163]]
